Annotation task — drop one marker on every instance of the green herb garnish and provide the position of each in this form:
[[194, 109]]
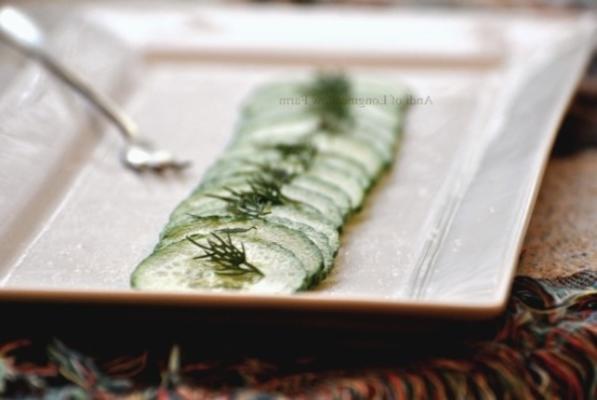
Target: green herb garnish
[[301, 153], [245, 203], [329, 98], [278, 174], [235, 230], [264, 191], [228, 258]]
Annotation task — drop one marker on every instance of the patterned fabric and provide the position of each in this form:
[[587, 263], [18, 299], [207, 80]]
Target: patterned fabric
[[546, 347]]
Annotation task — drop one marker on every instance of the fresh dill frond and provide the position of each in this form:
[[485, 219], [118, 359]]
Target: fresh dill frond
[[281, 174], [289, 149], [245, 203], [235, 230], [292, 159], [267, 188], [301, 153], [262, 193], [228, 259], [278, 174], [329, 98]]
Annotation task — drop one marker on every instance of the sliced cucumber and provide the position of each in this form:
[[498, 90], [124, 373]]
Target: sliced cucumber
[[350, 166], [305, 199], [341, 179], [292, 118], [332, 174], [329, 189], [336, 176], [318, 201], [294, 240], [175, 268], [240, 171], [290, 130], [307, 190], [302, 213], [384, 134], [308, 216], [357, 149], [322, 242]]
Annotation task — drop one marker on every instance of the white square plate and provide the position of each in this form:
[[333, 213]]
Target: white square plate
[[440, 235]]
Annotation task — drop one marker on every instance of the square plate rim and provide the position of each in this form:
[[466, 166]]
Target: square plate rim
[[307, 301]]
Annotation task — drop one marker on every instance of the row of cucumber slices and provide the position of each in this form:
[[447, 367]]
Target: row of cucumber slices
[[267, 215]]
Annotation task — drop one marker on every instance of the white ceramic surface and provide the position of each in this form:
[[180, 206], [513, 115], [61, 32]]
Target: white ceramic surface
[[442, 232]]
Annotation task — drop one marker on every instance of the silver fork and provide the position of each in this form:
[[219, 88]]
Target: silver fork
[[21, 32]]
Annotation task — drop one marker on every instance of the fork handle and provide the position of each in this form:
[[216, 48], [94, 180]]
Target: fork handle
[[126, 126], [34, 50]]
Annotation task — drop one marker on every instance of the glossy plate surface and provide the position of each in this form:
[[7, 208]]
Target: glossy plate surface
[[440, 235]]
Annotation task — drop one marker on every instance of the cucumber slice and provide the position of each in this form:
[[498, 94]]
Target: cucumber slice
[[385, 132], [382, 146], [318, 201], [350, 169], [290, 130], [302, 213], [220, 185], [322, 242], [333, 212], [241, 171], [339, 179], [264, 123], [380, 132], [329, 189], [375, 115], [349, 165], [365, 155], [258, 154], [294, 240], [304, 198], [245, 169], [354, 189], [355, 148], [174, 268], [308, 216]]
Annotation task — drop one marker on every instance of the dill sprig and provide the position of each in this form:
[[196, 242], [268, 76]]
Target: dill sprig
[[329, 96], [266, 181], [235, 230], [263, 192], [228, 258], [245, 203], [302, 153], [294, 158], [278, 174], [268, 187], [275, 174]]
